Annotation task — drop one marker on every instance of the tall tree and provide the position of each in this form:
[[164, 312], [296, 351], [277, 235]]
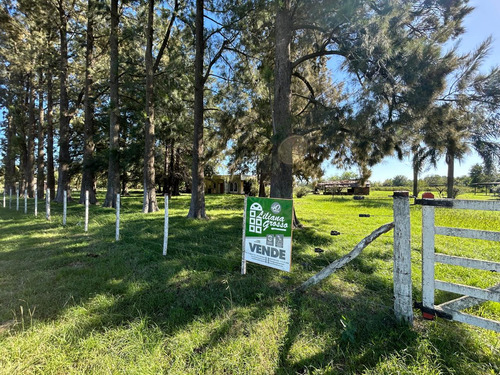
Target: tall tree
[[465, 116], [64, 118], [51, 180], [227, 30], [374, 40], [30, 141], [40, 179], [281, 170], [9, 160], [149, 202], [88, 175], [197, 206], [114, 126]]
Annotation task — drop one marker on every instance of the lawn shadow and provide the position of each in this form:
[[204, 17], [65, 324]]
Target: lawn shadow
[[200, 280]]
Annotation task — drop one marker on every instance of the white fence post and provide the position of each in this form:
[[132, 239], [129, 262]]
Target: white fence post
[[403, 307], [25, 201], [165, 229], [86, 228], [65, 207], [117, 235], [10, 198], [36, 202], [47, 205], [17, 199]]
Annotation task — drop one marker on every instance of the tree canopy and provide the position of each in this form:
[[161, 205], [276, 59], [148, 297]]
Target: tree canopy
[[154, 94]]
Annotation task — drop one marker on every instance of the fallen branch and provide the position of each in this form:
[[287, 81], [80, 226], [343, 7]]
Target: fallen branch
[[334, 266]]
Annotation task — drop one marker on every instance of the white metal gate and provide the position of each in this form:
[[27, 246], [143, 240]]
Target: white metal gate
[[472, 296]]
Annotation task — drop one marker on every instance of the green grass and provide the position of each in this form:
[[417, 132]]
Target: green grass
[[75, 302]]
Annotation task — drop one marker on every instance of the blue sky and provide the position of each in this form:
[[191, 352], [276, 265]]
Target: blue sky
[[482, 23]]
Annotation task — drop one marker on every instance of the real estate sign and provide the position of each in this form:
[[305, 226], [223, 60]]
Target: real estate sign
[[268, 232]]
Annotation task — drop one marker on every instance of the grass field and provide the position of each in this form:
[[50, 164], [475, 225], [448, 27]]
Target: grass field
[[75, 302]]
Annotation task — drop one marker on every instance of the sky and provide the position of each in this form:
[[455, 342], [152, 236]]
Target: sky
[[482, 23]]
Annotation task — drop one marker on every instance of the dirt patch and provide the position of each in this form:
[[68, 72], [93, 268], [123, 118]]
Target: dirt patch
[[77, 265], [6, 326]]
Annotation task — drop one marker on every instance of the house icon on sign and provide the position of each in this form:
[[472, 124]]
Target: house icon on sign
[[255, 224]]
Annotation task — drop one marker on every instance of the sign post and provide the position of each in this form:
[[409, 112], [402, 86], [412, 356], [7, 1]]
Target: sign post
[[267, 233]]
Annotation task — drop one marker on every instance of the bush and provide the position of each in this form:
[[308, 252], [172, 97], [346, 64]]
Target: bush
[[254, 186], [301, 191], [400, 180]]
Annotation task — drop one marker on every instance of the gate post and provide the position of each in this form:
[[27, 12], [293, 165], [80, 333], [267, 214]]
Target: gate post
[[403, 306]]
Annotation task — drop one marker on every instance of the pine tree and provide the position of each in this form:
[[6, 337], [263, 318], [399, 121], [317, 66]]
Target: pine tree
[[88, 176], [113, 187], [149, 202]]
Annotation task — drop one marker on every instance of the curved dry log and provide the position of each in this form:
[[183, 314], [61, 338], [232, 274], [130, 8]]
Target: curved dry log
[[334, 266]]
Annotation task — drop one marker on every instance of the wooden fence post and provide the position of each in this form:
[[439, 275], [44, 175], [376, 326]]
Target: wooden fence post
[[403, 306]]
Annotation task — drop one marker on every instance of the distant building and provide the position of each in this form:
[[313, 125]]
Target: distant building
[[343, 187], [227, 184]]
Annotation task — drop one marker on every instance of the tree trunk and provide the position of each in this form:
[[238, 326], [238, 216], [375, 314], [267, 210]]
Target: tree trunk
[[262, 184], [165, 180], [450, 160], [415, 180], [197, 206], [114, 127], [23, 130], [51, 181], [170, 171], [150, 203], [124, 182], [281, 166], [10, 157], [30, 150], [64, 155], [176, 169], [40, 178], [88, 176]]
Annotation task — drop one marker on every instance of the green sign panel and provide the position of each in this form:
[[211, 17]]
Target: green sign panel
[[268, 232]]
